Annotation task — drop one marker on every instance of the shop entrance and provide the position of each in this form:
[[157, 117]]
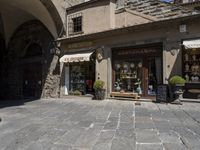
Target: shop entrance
[[137, 70], [152, 76]]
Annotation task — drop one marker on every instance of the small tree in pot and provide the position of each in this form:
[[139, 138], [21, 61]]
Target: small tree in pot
[[99, 89], [176, 85]]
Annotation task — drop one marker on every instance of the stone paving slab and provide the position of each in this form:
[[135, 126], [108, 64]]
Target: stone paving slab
[[81, 124]]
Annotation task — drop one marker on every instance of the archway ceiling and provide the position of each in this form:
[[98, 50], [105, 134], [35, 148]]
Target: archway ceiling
[[16, 12]]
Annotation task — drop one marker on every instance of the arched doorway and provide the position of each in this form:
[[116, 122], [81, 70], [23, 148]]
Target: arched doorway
[[31, 65], [32, 71]]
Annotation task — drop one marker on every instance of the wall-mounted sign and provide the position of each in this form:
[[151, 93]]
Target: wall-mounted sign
[[78, 45], [135, 52]]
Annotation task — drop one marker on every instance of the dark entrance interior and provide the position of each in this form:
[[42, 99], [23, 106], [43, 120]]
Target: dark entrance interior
[[32, 80], [32, 72]]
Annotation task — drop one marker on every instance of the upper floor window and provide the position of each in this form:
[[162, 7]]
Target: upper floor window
[[75, 24]]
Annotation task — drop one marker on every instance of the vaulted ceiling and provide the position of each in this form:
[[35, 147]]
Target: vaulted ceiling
[[51, 13]]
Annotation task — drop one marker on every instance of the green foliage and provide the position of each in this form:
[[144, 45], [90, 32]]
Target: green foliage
[[177, 80], [76, 92], [71, 93], [98, 84]]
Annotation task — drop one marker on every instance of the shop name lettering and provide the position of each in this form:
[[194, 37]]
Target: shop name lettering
[[79, 45], [133, 52], [74, 59]]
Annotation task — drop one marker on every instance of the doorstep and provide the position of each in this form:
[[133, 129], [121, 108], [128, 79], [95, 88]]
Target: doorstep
[[131, 99], [190, 100], [86, 97]]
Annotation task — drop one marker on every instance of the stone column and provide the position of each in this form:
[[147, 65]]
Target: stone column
[[52, 84]]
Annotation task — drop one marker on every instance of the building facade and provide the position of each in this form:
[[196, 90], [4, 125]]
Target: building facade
[[131, 46], [60, 47]]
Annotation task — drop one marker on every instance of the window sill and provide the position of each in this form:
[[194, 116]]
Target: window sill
[[76, 33]]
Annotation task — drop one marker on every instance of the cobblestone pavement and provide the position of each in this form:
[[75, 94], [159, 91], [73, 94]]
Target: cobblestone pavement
[[99, 125]]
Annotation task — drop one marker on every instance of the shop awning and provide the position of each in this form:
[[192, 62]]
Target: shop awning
[[190, 44], [76, 57]]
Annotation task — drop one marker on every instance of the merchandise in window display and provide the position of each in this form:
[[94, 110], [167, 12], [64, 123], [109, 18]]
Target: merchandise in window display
[[191, 68], [77, 79], [126, 76]]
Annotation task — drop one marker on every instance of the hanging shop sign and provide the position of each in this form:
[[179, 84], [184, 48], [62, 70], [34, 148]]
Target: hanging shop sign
[[99, 54]]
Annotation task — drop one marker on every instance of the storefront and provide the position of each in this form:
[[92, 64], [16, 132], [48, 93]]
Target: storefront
[[191, 68], [137, 69], [79, 73]]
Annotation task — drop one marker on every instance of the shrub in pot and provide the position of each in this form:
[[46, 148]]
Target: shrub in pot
[[99, 89], [176, 85], [177, 80]]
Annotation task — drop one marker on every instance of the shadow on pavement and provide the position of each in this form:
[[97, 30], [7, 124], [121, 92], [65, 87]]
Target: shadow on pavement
[[12, 103]]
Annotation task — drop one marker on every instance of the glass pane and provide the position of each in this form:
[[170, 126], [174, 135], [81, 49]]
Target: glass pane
[[128, 76]]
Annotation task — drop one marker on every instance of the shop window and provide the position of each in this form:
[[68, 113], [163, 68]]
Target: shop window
[[137, 70], [82, 77], [128, 76], [75, 24], [191, 68]]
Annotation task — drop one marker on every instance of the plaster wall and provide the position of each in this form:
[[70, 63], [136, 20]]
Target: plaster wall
[[96, 16]]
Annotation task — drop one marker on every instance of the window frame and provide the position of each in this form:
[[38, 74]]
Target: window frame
[[75, 24]]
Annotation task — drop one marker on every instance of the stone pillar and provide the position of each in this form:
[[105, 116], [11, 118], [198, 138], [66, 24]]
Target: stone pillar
[[102, 66], [109, 71], [52, 84], [172, 60]]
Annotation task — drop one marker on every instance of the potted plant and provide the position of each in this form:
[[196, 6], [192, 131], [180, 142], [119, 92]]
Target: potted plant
[[99, 89], [176, 85]]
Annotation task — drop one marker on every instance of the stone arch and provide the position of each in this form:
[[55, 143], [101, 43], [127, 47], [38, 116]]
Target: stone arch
[[31, 33], [27, 52], [33, 50], [54, 14], [28, 33]]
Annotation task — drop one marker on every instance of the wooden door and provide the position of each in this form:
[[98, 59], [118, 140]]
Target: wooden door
[[145, 72]]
